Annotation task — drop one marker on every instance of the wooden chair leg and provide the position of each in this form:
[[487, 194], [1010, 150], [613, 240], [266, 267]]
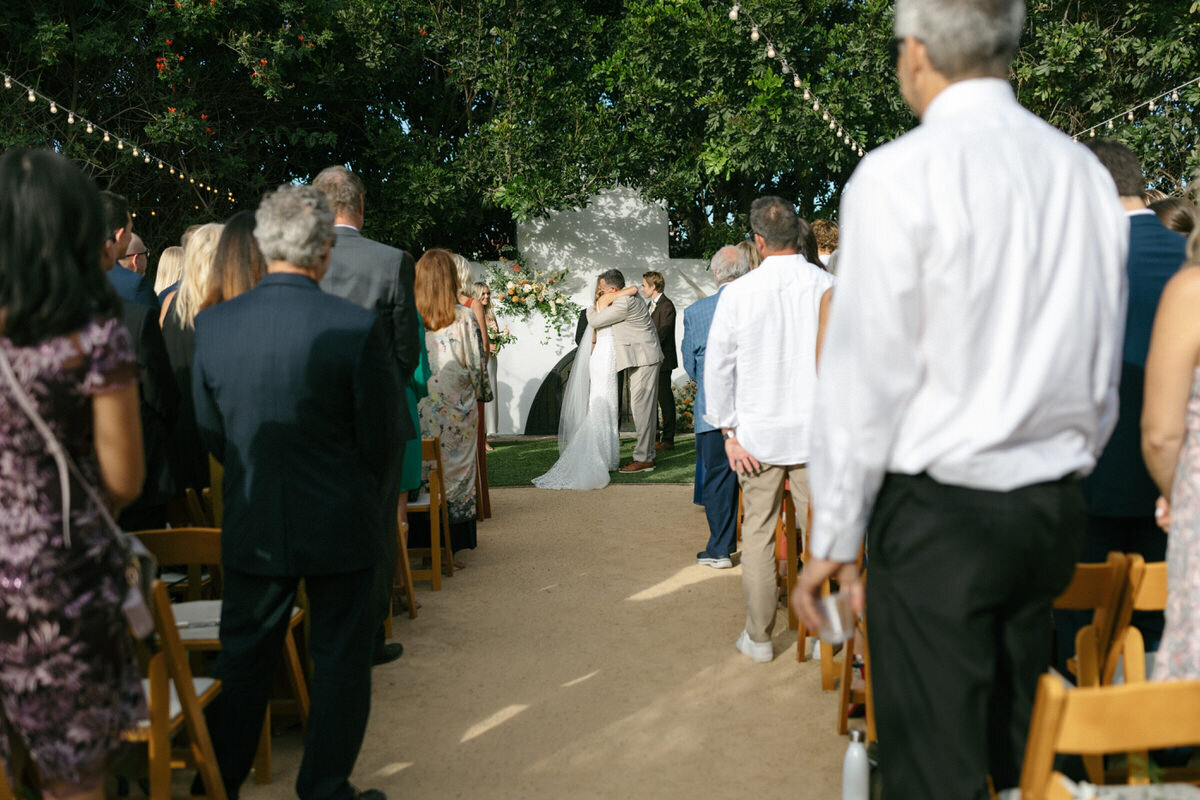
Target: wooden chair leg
[[406, 568], [295, 671], [447, 549], [845, 695], [869, 690], [387, 623], [262, 758], [435, 547], [792, 573], [158, 746]]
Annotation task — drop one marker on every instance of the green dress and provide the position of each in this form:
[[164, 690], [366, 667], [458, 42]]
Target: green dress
[[410, 477]]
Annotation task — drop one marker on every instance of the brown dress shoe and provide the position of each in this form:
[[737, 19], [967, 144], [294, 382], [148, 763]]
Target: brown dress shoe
[[660, 446], [638, 466]]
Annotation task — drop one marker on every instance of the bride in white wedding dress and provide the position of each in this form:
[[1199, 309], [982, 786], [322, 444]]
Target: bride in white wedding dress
[[588, 440]]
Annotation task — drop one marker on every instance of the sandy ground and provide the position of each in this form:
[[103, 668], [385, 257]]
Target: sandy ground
[[584, 654]]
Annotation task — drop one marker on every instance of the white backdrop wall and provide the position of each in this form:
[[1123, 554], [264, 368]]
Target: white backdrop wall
[[618, 230]]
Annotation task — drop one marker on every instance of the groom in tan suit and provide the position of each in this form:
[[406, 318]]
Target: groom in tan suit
[[638, 351]]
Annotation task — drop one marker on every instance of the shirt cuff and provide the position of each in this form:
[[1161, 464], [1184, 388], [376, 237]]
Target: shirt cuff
[[720, 422], [833, 542]]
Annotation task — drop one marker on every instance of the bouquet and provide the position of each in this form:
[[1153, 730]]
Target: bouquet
[[500, 337], [521, 290]]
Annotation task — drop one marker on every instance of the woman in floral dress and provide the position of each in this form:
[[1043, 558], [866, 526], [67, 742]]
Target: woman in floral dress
[[1171, 445], [69, 684], [456, 381]]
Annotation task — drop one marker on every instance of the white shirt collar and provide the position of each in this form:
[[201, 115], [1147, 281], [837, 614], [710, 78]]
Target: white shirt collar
[[962, 96], [344, 225], [1139, 212]]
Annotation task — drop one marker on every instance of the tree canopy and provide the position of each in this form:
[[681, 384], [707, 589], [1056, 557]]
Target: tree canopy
[[463, 116]]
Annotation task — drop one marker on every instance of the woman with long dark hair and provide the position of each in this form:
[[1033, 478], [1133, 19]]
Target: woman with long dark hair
[[69, 684]]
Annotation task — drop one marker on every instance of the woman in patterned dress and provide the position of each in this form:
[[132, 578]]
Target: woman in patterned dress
[[456, 381], [1171, 445], [69, 684]]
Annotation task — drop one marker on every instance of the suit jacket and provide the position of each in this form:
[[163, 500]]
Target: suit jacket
[[295, 393], [664, 322], [697, 319], [1120, 486], [158, 405], [634, 336], [375, 276], [132, 287]]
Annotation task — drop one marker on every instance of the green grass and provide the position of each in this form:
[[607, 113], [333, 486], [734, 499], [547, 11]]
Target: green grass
[[516, 463]]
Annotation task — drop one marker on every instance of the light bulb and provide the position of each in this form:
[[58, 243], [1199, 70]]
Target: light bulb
[[160, 165], [1151, 105], [53, 107], [70, 117], [825, 115], [7, 82], [1174, 94], [191, 180], [120, 145], [172, 170], [146, 160], [840, 133], [807, 95], [106, 137], [832, 125], [733, 12], [135, 152], [32, 96], [1092, 133], [796, 83], [770, 51], [89, 127], [1110, 125], [754, 34], [816, 105], [1130, 116]]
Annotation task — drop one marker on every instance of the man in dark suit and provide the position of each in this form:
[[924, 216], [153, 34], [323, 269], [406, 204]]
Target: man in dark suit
[[295, 393], [1120, 494], [662, 314], [129, 285], [158, 396], [380, 278]]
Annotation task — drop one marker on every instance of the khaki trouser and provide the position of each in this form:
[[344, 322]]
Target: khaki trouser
[[642, 384], [762, 499]]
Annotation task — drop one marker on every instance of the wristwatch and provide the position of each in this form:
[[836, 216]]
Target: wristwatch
[[730, 434]]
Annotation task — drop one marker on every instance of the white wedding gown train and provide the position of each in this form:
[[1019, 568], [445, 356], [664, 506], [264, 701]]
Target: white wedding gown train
[[589, 443]]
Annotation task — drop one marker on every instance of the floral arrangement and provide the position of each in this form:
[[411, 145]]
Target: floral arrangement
[[500, 337], [521, 290], [685, 406]]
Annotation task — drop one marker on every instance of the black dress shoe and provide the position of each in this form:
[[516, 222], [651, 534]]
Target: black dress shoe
[[384, 655], [370, 794]]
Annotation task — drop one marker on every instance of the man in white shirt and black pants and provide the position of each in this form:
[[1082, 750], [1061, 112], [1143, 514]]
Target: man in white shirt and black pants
[[759, 374], [968, 381]]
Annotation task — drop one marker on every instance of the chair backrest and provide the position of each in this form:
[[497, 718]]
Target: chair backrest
[[1101, 720], [431, 451], [1145, 590], [1098, 588], [191, 547]]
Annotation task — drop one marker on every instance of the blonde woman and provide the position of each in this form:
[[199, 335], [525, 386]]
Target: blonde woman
[[188, 456], [168, 273], [753, 258]]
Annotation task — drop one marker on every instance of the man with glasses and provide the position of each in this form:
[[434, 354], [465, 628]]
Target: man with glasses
[[135, 255], [968, 381]]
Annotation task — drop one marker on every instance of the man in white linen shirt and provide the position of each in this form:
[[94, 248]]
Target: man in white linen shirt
[[759, 373], [968, 381]]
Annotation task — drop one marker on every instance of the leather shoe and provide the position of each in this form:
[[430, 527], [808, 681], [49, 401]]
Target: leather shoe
[[370, 794], [660, 446], [637, 466], [386, 655]]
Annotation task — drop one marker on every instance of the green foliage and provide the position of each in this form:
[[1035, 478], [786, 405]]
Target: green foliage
[[462, 116]]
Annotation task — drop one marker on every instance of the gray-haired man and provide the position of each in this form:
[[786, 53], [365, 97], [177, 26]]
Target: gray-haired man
[[968, 380]]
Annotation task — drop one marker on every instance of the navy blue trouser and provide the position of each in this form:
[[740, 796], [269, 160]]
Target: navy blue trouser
[[720, 494]]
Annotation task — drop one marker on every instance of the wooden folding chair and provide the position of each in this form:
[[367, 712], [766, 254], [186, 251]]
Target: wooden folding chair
[[1145, 590], [176, 702], [1101, 720], [434, 504], [200, 621], [849, 696], [1098, 588]]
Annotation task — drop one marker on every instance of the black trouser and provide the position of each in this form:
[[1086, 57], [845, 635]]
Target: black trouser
[[959, 591], [1122, 535], [666, 406], [254, 618]]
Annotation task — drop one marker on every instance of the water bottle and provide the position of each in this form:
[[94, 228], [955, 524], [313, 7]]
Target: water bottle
[[856, 771]]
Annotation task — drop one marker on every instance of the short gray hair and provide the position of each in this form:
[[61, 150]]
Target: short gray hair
[[964, 37], [728, 263], [292, 224], [342, 188]]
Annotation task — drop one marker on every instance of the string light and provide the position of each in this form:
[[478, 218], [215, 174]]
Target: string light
[[52, 106], [770, 51], [733, 12], [1129, 114], [796, 82], [754, 34]]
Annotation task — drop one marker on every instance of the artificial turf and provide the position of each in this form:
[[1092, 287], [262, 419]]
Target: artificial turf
[[517, 462]]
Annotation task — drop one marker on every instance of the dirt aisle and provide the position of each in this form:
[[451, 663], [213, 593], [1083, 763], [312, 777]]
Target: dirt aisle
[[584, 654]]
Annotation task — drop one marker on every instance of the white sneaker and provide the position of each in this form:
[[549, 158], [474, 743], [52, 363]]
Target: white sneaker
[[762, 652]]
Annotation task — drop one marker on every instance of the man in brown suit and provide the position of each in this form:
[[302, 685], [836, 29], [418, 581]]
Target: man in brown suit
[[662, 314]]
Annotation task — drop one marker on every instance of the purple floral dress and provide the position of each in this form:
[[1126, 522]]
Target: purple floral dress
[[1179, 652], [69, 684]]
